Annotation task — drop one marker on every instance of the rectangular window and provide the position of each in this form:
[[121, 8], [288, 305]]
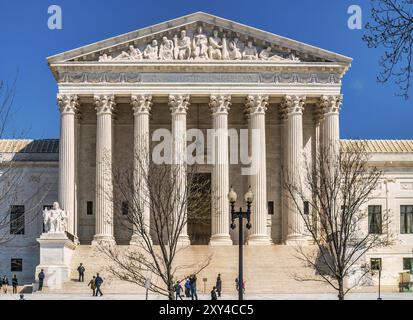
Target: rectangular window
[[406, 219], [17, 220], [271, 208], [407, 263], [375, 264], [125, 208], [89, 208], [375, 220], [306, 207], [16, 265]]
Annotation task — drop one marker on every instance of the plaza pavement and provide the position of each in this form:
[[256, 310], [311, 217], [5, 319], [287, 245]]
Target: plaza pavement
[[317, 296]]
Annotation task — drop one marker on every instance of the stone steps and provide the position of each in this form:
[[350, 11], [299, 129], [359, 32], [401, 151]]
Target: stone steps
[[267, 269]]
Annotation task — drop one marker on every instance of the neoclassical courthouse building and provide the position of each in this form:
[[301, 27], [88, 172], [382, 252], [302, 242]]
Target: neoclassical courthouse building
[[194, 72]]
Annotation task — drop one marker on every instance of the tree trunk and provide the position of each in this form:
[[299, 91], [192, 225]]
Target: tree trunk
[[171, 295], [340, 289]]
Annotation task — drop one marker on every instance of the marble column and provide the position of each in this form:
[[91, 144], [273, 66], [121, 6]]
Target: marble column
[[293, 109], [220, 220], [255, 108], [179, 106], [330, 108], [68, 107], [141, 106], [104, 105]]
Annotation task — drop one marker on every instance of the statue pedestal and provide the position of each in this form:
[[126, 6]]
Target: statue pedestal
[[55, 256]]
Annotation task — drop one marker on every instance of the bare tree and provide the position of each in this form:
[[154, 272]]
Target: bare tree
[[158, 205], [392, 29], [335, 190]]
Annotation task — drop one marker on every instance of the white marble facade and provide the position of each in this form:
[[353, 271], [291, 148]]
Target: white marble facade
[[205, 72]]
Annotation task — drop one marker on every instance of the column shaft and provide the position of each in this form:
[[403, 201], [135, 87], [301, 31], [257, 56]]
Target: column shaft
[[293, 107], [104, 188], [219, 106], [179, 106], [68, 107], [141, 157], [256, 106]]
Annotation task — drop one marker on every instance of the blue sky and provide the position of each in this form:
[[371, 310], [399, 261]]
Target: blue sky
[[370, 110]]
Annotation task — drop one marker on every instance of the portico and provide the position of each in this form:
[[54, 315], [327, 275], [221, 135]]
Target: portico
[[112, 99]]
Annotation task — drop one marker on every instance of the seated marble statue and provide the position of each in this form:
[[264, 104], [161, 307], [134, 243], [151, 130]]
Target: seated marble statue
[[266, 54], [166, 49], [151, 51], [250, 52], [215, 46], [182, 46], [200, 45], [234, 53], [134, 53], [55, 219]]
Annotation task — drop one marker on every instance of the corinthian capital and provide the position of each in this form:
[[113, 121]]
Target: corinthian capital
[[330, 104], [104, 104], [256, 104], [179, 103], [220, 104], [67, 103], [293, 105], [141, 103]]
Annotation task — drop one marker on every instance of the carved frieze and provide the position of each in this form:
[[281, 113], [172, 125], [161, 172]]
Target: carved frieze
[[186, 77]]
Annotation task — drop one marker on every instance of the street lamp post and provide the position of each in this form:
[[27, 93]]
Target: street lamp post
[[240, 215]]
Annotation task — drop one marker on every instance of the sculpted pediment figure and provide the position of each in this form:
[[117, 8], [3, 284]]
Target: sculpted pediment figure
[[215, 46], [199, 44], [166, 49], [151, 51], [182, 50], [250, 52]]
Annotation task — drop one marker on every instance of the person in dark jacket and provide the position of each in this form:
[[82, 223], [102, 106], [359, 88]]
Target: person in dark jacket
[[14, 283], [41, 277], [214, 293], [178, 290], [92, 285], [98, 283], [81, 270], [5, 284], [219, 285], [192, 281]]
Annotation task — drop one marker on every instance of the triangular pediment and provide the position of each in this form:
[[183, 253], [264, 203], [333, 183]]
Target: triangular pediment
[[217, 40]]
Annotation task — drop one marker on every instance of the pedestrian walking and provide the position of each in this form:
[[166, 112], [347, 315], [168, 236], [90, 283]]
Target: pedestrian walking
[[98, 283], [81, 270], [14, 283], [41, 277], [236, 284], [192, 281], [218, 285], [178, 290], [5, 284], [187, 288], [92, 285], [214, 295]]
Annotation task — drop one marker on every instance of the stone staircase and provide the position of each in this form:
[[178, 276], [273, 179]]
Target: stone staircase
[[270, 269]]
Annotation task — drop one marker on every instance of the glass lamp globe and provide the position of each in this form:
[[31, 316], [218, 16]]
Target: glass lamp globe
[[232, 195], [249, 196]]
